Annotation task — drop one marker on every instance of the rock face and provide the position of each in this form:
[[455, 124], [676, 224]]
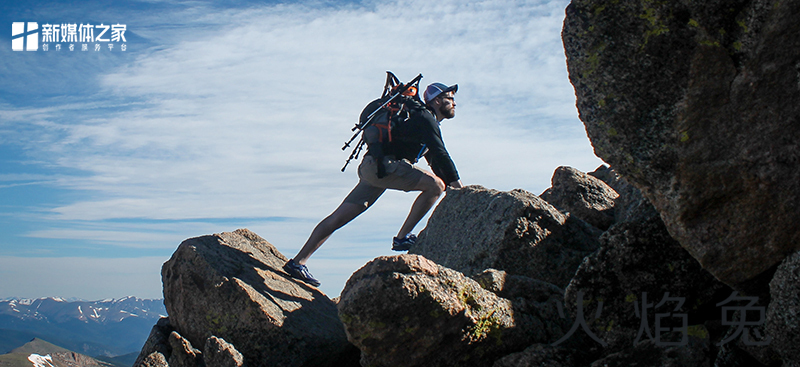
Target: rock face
[[783, 314], [230, 286], [583, 196], [634, 258], [156, 349], [165, 347], [630, 205], [540, 355], [183, 354], [630, 295], [408, 311], [474, 228], [220, 353], [648, 353], [695, 103]]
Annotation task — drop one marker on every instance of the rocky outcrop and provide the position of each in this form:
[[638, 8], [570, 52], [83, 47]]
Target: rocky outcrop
[[231, 286], [583, 196], [630, 205], [152, 360], [156, 349], [638, 260], [695, 352], [165, 347], [183, 354], [540, 355], [408, 311], [220, 353], [475, 228], [695, 103]]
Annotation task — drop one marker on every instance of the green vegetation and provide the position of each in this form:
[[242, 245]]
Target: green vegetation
[[486, 326], [698, 331], [219, 323]]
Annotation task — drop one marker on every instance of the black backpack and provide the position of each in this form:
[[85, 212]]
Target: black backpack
[[383, 115]]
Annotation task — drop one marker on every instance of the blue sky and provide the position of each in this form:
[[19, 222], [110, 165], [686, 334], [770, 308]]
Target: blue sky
[[218, 117]]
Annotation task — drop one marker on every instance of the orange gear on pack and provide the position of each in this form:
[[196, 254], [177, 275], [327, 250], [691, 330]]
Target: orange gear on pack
[[381, 115]]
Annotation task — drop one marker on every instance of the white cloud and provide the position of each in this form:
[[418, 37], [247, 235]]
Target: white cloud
[[250, 122], [244, 113]]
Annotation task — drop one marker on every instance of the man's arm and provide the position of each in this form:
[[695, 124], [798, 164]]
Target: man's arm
[[437, 155]]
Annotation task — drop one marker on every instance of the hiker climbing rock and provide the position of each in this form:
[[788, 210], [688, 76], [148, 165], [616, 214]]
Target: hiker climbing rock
[[398, 130]]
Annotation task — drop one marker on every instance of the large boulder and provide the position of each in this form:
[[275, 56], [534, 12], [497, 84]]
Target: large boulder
[[231, 286], [638, 260], [475, 228], [156, 349], [541, 355], [694, 352], [165, 347], [183, 354], [630, 205], [219, 353], [408, 311], [695, 103], [583, 196]]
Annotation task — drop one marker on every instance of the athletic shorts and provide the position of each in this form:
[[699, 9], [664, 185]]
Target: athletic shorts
[[400, 175]]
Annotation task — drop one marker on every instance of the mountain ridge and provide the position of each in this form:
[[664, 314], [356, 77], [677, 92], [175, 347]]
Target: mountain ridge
[[41, 353], [107, 328], [60, 309]]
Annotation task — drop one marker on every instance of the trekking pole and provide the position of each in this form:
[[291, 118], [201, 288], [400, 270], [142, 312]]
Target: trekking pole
[[360, 126], [354, 154]]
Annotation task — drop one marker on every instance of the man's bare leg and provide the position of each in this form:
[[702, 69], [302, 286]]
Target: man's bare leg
[[432, 188], [341, 216]]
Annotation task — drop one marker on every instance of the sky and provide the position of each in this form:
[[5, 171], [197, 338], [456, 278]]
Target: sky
[[213, 116]]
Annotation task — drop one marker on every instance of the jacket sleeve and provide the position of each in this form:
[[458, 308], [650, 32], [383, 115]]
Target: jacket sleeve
[[437, 155]]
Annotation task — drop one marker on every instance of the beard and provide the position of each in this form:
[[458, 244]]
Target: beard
[[447, 113]]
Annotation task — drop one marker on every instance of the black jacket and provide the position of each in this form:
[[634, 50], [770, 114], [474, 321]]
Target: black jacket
[[421, 134]]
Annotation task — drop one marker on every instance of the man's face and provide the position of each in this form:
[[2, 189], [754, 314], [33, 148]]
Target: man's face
[[447, 105]]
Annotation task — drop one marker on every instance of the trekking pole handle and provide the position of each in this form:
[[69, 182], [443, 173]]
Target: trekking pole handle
[[347, 144], [400, 91]]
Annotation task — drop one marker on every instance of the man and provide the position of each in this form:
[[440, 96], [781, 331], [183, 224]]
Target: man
[[420, 132]]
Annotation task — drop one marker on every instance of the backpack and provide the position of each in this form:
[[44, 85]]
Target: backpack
[[383, 115]]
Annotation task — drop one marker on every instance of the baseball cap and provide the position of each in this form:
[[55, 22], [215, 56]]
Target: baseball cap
[[436, 89]]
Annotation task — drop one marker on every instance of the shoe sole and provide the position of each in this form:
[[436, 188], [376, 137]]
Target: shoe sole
[[289, 272]]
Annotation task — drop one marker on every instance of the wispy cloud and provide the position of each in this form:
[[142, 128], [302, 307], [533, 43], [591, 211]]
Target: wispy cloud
[[255, 112], [241, 113]]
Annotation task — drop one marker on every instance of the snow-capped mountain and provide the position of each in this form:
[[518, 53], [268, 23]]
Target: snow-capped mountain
[[53, 309], [108, 327]]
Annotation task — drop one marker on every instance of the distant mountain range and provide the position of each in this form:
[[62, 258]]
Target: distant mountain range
[[101, 329]]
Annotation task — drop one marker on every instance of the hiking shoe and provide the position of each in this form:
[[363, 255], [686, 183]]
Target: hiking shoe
[[298, 271], [404, 244]]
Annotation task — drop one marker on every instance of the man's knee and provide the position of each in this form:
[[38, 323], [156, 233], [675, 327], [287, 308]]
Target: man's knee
[[440, 185], [435, 186]]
